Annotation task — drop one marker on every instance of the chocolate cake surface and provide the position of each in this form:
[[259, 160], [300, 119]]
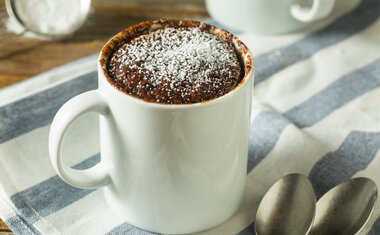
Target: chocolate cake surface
[[176, 66]]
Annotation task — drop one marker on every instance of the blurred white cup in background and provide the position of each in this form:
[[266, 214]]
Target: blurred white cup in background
[[268, 16]]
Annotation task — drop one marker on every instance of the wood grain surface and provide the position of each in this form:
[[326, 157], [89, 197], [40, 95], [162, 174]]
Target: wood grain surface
[[26, 57], [4, 228]]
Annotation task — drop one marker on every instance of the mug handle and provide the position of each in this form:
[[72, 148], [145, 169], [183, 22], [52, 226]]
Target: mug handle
[[96, 176], [318, 10]]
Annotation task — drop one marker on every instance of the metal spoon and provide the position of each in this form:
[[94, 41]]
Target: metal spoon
[[30, 27], [287, 208], [345, 209]]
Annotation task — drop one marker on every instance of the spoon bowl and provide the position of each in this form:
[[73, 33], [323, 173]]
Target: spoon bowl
[[287, 208], [346, 208]]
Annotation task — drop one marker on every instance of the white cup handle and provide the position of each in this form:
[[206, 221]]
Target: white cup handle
[[96, 176], [318, 10]]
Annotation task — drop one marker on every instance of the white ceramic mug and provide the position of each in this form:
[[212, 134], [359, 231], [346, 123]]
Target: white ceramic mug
[[268, 16], [164, 168]]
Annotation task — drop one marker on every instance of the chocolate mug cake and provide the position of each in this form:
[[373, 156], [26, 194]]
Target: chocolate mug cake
[[174, 100], [176, 65]]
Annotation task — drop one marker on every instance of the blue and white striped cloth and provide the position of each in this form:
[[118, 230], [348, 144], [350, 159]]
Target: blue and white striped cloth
[[316, 112]]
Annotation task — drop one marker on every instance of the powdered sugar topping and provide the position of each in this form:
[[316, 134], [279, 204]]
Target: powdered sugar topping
[[173, 55], [184, 60]]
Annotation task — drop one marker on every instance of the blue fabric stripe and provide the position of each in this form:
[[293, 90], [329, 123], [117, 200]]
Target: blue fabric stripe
[[126, 228], [50, 195], [375, 229], [18, 225], [270, 63], [248, 230], [335, 95], [39, 109], [355, 154], [267, 127]]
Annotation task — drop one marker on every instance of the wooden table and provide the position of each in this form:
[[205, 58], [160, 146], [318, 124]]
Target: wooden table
[[23, 58]]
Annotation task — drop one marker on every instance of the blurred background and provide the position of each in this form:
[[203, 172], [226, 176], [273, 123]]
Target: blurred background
[[24, 57]]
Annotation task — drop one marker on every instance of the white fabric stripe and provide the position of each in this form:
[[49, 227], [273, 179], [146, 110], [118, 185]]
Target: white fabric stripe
[[362, 113], [6, 208], [316, 73], [324, 137], [15, 165], [321, 138], [90, 215]]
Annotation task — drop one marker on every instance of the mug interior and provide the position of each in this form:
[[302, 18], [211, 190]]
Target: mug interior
[[145, 27]]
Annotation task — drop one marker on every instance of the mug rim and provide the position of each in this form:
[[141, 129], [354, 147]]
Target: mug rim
[[148, 26]]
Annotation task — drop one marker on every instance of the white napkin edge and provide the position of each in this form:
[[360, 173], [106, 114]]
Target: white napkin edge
[[48, 79]]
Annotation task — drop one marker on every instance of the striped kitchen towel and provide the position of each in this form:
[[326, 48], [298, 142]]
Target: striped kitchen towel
[[316, 111]]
